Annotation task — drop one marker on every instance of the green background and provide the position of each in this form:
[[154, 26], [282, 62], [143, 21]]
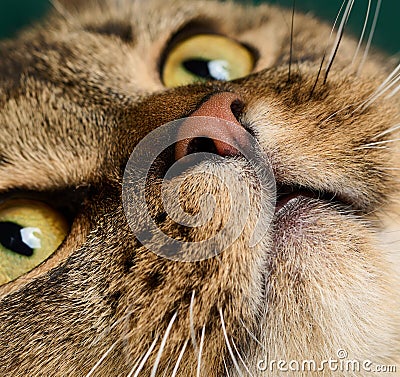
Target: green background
[[15, 14]]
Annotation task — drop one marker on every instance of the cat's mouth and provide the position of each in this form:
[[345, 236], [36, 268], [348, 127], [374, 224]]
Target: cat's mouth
[[289, 193], [286, 193]]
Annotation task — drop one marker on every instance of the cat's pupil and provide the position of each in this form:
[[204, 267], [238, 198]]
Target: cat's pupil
[[11, 238], [208, 69]]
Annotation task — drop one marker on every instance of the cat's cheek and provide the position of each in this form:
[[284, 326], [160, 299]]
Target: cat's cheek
[[318, 227], [335, 278]]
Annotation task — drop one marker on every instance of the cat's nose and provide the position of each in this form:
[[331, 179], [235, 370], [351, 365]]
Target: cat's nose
[[217, 131]]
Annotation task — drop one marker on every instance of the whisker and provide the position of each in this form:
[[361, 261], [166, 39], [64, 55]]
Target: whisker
[[339, 37], [382, 91], [191, 316], [383, 88], [326, 49], [102, 359], [377, 143], [108, 330], [226, 368], [394, 91], [291, 40], [371, 35], [370, 147], [390, 78], [362, 32], [252, 336], [235, 363], [336, 112], [390, 130], [162, 346], [137, 361], [284, 19], [145, 358], [200, 351], [179, 359], [376, 147], [240, 358]]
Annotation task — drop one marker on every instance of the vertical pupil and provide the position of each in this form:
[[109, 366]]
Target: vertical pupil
[[11, 238]]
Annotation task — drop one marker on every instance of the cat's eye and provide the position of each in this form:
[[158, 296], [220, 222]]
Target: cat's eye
[[206, 57], [30, 231]]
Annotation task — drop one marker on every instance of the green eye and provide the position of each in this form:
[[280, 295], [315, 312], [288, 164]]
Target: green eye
[[30, 231], [206, 57]]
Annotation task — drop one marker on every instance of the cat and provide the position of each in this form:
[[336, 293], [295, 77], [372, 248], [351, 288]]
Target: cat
[[87, 290]]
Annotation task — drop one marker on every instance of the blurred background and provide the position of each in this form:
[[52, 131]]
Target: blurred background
[[16, 14]]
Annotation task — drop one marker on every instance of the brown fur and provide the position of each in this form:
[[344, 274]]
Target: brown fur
[[77, 95]]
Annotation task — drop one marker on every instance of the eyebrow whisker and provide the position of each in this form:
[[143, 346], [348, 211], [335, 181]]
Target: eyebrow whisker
[[371, 35]]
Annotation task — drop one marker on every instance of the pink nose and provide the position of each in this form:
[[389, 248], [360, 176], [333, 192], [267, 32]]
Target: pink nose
[[218, 131]]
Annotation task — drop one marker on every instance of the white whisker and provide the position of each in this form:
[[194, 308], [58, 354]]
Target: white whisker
[[145, 358], [102, 359], [377, 143], [137, 361], [376, 95], [108, 330], [336, 19], [376, 147], [389, 78], [179, 359], [362, 32], [191, 319], [235, 363], [200, 352], [226, 368], [252, 336], [383, 88], [162, 346], [240, 358], [371, 35], [393, 92], [337, 112], [388, 131]]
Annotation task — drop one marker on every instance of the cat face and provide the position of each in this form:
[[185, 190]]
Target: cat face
[[81, 92]]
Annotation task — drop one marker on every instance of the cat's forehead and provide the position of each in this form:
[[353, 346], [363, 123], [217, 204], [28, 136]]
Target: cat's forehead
[[148, 26], [154, 18]]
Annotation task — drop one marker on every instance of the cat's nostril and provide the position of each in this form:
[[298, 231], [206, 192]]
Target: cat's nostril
[[237, 107], [216, 131], [201, 144]]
